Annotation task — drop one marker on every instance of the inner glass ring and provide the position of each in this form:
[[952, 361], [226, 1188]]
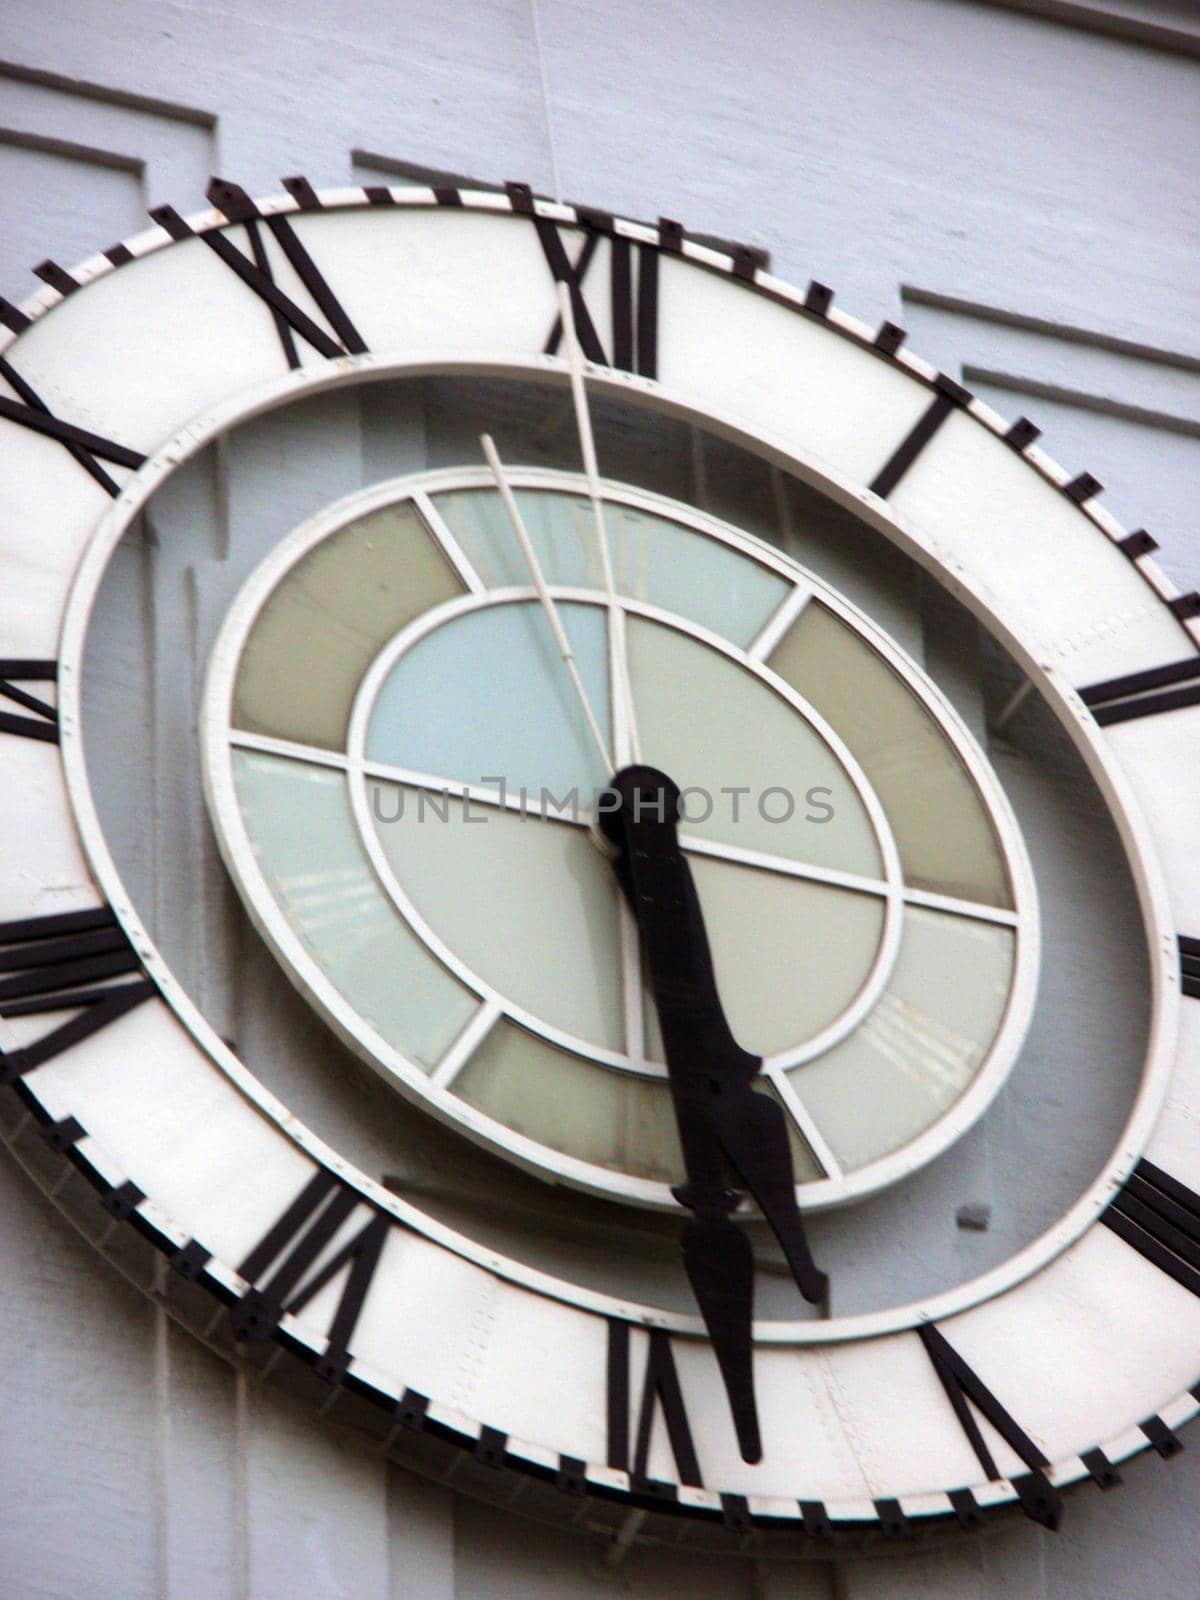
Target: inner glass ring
[[879, 955], [428, 792]]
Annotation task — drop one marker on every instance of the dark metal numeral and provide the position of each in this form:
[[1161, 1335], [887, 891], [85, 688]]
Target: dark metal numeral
[[60, 963], [44, 722], [949, 397], [660, 1386], [292, 1247], [255, 273], [31, 411], [1039, 1500], [1160, 1218], [1145, 694], [633, 293], [1189, 966]]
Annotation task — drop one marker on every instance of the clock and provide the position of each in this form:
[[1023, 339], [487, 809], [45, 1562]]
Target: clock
[[635, 872]]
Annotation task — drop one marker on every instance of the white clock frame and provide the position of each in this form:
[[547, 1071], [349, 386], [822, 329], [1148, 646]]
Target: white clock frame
[[862, 1426]]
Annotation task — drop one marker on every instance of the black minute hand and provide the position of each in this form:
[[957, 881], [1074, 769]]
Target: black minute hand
[[718, 1111]]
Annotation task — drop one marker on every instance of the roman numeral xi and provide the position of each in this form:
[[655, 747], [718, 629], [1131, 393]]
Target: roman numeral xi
[[340, 336]]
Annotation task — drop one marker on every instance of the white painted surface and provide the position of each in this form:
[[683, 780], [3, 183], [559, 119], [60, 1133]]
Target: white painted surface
[[996, 157]]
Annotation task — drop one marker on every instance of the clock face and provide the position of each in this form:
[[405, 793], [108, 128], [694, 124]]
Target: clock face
[[405, 790], [929, 705]]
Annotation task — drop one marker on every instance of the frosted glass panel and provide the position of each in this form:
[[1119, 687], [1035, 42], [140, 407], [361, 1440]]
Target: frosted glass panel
[[653, 559], [945, 838], [710, 723], [307, 846], [530, 906], [488, 695], [586, 1111], [329, 618], [789, 955], [923, 1043]]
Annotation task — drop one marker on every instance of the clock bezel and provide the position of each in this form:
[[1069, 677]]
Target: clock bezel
[[1057, 685], [1113, 786]]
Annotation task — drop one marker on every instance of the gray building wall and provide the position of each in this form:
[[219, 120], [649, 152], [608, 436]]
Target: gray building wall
[[1015, 184]]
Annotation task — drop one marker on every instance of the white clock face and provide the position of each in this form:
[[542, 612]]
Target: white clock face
[[405, 787], [880, 960]]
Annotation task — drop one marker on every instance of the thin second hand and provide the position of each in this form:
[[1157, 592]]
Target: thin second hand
[[543, 593], [626, 723], [625, 734]]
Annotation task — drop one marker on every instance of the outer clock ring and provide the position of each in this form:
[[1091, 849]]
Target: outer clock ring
[[1155, 1080], [48, 1095]]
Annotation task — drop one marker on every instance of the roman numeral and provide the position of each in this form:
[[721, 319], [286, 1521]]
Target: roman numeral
[[632, 286], [949, 397], [44, 722], [292, 1247], [32, 412], [1039, 1500], [1145, 694], [1189, 966], [660, 1387], [255, 272], [1160, 1218], [61, 963]]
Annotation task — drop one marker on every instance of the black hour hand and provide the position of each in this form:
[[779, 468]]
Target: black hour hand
[[754, 1136], [721, 1117]]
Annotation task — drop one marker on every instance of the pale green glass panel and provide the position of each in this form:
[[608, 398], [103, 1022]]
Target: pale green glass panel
[[653, 558], [487, 695], [789, 955], [306, 843], [329, 617], [574, 1106], [945, 837], [530, 906], [923, 1043], [713, 725]]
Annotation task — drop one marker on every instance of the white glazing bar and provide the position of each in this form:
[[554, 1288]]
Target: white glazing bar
[[809, 1132], [460, 1052], [451, 549], [271, 746], [783, 864], [522, 800], [961, 908], [779, 622], [535, 806]]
